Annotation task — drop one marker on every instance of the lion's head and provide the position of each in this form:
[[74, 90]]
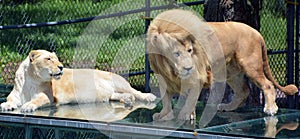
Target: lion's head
[[45, 65], [174, 50], [178, 52]]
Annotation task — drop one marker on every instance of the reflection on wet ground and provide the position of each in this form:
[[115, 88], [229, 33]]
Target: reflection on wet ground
[[251, 122]]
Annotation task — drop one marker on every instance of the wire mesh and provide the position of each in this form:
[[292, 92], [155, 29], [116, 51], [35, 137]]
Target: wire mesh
[[10, 131], [63, 39], [44, 132], [273, 29]]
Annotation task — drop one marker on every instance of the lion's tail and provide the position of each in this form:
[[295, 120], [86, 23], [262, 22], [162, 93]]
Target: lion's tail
[[289, 89]]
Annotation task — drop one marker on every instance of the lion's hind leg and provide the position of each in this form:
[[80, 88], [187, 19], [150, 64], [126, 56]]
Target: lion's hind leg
[[143, 96], [241, 91], [126, 98], [270, 96], [255, 72], [122, 86]]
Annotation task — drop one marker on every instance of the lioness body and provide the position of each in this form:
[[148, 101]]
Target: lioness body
[[41, 80], [179, 51], [88, 85]]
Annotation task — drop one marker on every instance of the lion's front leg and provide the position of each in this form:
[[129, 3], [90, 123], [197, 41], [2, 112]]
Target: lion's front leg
[[166, 113], [13, 102], [188, 110], [40, 100]]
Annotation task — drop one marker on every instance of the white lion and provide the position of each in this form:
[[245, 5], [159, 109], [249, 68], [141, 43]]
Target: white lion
[[42, 80]]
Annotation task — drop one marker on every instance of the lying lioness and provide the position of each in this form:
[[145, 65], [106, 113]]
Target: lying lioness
[[41, 80]]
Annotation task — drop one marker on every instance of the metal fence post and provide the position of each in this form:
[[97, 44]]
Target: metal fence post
[[28, 131], [297, 51], [147, 64], [290, 49]]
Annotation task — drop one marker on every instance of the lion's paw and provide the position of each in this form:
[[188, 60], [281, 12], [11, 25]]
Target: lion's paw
[[156, 116], [149, 97], [225, 107], [220, 107], [28, 107], [193, 116], [271, 110], [160, 117], [186, 116], [127, 98], [8, 106]]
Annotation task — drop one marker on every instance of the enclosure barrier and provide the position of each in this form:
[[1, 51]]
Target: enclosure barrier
[[59, 37], [17, 37]]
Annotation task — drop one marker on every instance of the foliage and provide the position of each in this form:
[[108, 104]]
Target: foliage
[[16, 43]]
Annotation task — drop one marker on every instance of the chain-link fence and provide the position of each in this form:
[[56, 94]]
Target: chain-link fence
[[55, 31], [15, 130], [274, 29], [102, 34], [270, 18]]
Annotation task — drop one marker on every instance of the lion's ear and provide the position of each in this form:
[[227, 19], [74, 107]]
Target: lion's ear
[[53, 53], [191, 38], [33, 55], [191, 43]]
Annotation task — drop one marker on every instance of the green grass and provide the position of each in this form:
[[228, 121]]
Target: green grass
[[65, 39]]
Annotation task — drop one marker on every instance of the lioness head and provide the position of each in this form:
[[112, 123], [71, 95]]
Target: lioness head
[[45, 65], [179, 52]]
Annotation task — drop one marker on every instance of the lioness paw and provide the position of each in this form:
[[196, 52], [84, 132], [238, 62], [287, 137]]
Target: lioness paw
[[8, 106], [149, 97], [127, 99], [28, 107]]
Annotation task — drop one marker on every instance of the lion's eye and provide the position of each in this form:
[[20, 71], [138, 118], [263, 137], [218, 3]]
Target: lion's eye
[[190, 50], [176, 54], [48, 58]]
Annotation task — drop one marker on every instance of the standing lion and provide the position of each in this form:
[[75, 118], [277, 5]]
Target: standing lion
[[179, 54]]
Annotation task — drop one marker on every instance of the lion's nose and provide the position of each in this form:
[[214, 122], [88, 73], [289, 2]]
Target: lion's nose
[[187, 69], [60, 68]]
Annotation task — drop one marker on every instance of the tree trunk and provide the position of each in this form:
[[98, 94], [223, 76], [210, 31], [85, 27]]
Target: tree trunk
[[245, 11]]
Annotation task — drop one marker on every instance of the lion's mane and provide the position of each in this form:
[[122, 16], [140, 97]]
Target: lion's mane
[[184, 26]]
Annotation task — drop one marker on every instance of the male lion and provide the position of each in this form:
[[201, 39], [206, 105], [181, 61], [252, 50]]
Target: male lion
[[177, 55], [41, 79]]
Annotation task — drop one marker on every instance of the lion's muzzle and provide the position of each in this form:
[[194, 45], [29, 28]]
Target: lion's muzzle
[[58, 74], [185, 72]]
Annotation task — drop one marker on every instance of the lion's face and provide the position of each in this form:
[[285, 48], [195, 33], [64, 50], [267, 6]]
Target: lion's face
[[179, 53], [45, 65]]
